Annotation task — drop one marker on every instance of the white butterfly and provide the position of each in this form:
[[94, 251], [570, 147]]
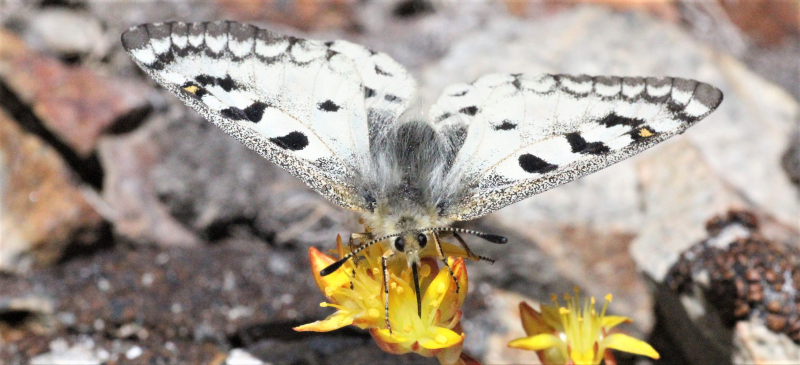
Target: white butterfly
[[338, 116]]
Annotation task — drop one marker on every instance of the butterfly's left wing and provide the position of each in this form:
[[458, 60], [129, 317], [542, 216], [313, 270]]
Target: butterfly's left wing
[[306, 105], [520, 135]]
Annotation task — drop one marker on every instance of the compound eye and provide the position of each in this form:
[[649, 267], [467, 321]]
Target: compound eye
[[422, 239], [399, 244]]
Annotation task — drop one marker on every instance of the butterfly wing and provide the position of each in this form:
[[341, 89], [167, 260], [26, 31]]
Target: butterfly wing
[[521, 134], [301, 104], [388, 88]]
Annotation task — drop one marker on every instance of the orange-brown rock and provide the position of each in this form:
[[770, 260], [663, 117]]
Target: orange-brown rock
[[42, 209], [74, 103]]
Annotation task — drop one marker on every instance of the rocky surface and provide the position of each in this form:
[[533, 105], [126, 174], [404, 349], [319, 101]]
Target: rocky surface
[[206, 257], [737, 292], [43, 208], [75, 104]]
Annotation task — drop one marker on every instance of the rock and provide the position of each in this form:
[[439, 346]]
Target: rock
[[241, 357], [756, 344], [62, 353], [301, 14], [766, 22], [187, 305], [791, 158], [43, 210], [150, 292], [680, 192], [330, 350], [503, 307], [130, 193], [734, 295], [73, 103], [67, 32]]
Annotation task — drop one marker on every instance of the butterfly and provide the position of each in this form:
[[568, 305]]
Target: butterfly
[[344, 119]]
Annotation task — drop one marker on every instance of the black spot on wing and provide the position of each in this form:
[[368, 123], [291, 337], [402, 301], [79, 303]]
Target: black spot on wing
[[294, 141], [505, 126], [392, 98], [613, 120], [470, 110], [226, 83], [233, 113], [442, 117], [255, 111], [369, 92], [462, 93], [535, 165], [328, 106], [576, 142], [517, 84], [380, 71], [194, 89], [579, 145]]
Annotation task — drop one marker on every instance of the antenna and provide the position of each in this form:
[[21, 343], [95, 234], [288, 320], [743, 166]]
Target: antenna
[[489, 237], [336, 265]]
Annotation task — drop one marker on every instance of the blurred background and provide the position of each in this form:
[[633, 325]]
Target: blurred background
[[132, 231]]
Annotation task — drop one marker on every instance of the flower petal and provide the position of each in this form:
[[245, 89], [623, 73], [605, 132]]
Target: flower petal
[[389, 343], [439, 338], [613, 321], [320, 261], [582, 358], [625, 343], [538, 342], [533, 321], [443, 290], [333, 322], [551, 317]]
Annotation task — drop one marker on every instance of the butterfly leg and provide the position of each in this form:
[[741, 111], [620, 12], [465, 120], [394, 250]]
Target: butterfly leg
[[440, 251], [356, 240], [471, 255], [386, 255]]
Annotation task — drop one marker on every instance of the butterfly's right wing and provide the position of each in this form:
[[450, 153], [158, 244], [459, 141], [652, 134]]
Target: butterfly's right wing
[[302, 104], [520, 135]]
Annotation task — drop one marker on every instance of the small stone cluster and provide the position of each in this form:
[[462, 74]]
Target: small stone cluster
[[743, 274]]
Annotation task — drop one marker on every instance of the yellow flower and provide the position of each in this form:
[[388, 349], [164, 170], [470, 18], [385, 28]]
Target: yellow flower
[[575, 334], [437, 327], [356, 291]]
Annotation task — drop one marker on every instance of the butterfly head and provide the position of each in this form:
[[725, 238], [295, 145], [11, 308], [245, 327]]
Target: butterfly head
[[410, 244]]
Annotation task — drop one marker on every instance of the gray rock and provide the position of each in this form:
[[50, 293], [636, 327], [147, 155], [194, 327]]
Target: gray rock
[[732, 297], [61, 353], [791, 158], [67, 32]]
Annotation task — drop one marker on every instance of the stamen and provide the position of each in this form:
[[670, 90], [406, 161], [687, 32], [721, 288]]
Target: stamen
[[425, 271]]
